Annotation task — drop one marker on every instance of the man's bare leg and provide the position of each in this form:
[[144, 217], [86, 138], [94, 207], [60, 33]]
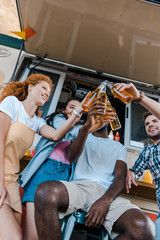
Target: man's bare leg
[[134, 225], [50, 197]]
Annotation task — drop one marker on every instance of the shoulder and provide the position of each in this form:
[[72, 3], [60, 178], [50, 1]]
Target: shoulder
[[146, 148], [10, 106], [117, 144], [10, 99], [58, 120], [119, 147], [146, 151], [39, 119]]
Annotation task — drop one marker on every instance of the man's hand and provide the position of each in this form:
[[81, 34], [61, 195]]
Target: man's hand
[[105, 115], [97, 213], [130, 88], [129, 180]]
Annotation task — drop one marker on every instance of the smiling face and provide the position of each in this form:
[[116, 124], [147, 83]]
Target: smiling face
[[40, 92], [152, 126], [70, 107]]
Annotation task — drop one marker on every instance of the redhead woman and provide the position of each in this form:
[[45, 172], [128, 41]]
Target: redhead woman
[[19, 102]]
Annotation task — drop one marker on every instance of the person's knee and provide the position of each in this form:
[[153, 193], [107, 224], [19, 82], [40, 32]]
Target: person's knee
[[141, 227], [134, 224], [47, 194]]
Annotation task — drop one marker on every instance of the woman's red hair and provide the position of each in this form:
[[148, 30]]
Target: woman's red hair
[[20, 89]]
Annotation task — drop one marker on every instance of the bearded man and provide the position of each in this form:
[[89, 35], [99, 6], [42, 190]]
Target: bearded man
[[149, 159]]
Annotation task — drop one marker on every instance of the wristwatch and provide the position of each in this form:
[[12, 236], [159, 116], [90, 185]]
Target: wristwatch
[[138, 100]]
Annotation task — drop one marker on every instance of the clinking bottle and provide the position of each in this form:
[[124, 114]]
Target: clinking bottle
[[115, 125], [92, 96], [124, 96], [102, 96]]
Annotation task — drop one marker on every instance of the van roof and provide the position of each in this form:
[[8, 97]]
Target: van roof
[[116, 37]]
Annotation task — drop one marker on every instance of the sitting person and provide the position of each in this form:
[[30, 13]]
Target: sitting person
[[98, 180], [50, 163]]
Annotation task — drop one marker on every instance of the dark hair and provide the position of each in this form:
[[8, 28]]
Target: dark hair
[[49, 118], [146, 114]]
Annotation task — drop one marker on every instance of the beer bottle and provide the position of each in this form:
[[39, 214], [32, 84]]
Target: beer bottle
[[92, 96], [115, 125], [102, 96], [124, 96]]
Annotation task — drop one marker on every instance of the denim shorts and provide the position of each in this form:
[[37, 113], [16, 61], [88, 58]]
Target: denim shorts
[[50, 170]]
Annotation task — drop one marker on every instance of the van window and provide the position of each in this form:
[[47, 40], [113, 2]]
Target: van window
[[135, 134]]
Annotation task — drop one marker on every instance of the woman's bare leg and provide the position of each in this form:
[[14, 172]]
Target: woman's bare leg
[[30, 227], [9, 226]]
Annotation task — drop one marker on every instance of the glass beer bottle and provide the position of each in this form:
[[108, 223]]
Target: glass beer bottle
[[115, 125], [102, 96], [124, 96], [92, 96]]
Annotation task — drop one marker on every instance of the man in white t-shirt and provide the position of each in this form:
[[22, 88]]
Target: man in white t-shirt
[[98, 180]]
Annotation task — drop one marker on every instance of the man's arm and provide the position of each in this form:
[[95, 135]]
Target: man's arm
[[100, 208], [150, 104], [77, 146]]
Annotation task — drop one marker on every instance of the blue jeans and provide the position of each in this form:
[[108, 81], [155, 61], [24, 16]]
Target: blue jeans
[[50, 170], [157, 225]]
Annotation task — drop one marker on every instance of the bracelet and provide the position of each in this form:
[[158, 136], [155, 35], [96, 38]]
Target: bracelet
[[138, 100], [76, 113]]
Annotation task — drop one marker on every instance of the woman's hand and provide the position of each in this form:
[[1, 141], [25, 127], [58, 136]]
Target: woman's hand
[[79, 109], [3, 194]]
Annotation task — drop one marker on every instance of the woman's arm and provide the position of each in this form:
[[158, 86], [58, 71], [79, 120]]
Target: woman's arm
[[56, 134], [4, 126]]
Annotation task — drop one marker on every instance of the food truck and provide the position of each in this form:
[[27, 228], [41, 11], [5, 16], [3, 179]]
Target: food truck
[[79, 44]]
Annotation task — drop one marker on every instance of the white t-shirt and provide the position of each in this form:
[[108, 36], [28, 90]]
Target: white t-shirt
[[98, 159], [12, 107]]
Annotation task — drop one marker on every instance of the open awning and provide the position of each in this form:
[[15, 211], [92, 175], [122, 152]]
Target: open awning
[[116, 37]]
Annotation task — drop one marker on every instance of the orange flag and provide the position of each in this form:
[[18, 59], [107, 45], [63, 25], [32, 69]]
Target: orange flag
[[20, 34], [27, 33]]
